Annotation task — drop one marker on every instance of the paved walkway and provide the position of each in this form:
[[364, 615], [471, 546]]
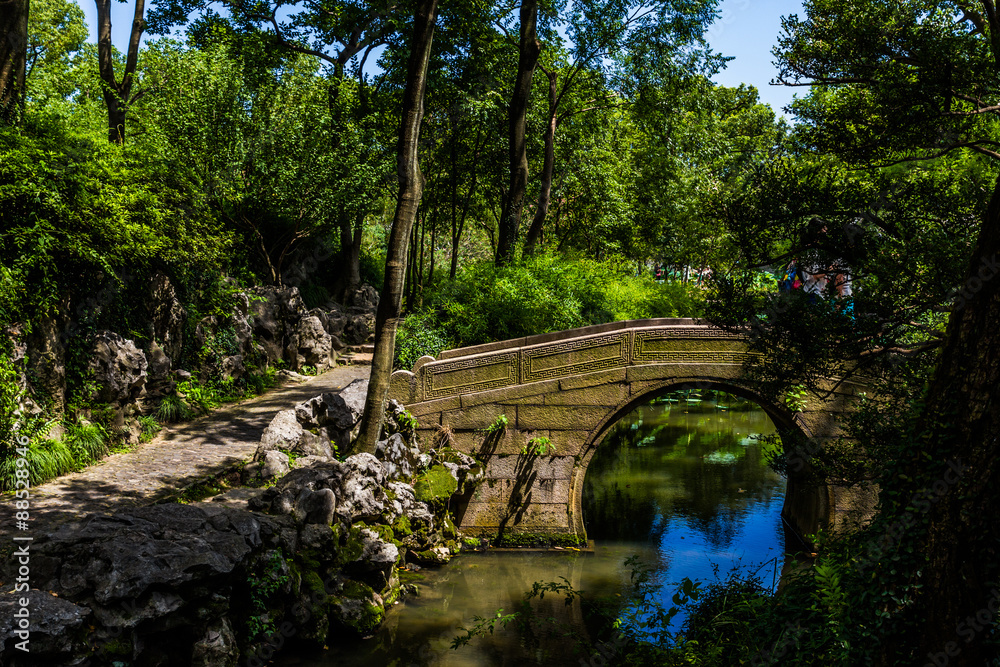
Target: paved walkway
[[178, 456]]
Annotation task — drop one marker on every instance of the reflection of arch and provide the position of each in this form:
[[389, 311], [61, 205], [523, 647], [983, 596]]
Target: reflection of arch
[[783, 420], [570, 387]]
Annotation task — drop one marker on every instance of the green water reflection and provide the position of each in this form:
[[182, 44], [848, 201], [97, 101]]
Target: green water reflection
[[680, 482]]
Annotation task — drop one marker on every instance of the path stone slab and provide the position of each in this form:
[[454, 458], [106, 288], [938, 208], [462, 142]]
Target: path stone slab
[[179, 455]]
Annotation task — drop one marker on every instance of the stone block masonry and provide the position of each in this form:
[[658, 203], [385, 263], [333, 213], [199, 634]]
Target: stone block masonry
[[570, 388]]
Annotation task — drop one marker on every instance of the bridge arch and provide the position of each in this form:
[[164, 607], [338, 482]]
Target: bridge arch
[[571, 387]]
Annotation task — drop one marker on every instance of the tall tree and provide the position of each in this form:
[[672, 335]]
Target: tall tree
[[407, 203], [118, 95], [897, 83], [13, 58], [528, 49]]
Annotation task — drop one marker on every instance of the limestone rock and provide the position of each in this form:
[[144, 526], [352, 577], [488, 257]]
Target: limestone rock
[[362, 300], [119, 369], [357, 608], [272, 465], [217, 647], [46, 355], [167, 316], [315, 507], [399, 459], [54, 624], [276, 312], [315, 445], [375, 564], [159, 382], [358, 328], [314, 344], [284, 432]]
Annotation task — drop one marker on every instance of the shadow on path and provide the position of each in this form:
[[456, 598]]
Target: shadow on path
[[177, 457]]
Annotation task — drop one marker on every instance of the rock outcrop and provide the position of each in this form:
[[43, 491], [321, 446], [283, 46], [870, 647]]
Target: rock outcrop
[[119, 369], [166, 317]]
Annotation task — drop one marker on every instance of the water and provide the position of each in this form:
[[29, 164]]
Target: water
[[682, 484]]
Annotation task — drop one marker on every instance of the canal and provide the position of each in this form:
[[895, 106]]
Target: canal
[[681, 482]]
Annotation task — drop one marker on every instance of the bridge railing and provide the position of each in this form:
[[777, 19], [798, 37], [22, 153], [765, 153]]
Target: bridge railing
[[564, 354]]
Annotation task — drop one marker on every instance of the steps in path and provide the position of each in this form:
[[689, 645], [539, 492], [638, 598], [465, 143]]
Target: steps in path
[[358, 355]]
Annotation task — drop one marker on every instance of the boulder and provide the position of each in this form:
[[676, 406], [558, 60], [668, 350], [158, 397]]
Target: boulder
[[315, 507], [358, 328], [54, 624], [275, 313], [271, 465], [284, 432], [159, 381], [362, 300], [166, 317], [374, 566], [314, 344], [399, 459], [312, 444], [360, 492], [118, 367], [232, 367], [217, 647]]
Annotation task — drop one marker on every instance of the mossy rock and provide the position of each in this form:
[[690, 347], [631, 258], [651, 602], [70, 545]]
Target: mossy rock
[[402, 527], [385, 532], [448, 528], [357, 608], [435, 486]]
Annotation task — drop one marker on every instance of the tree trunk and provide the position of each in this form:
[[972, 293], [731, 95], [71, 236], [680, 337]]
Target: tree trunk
[[510, 218], [117, 95], [13, 58], [349, 278], [548, 167], [956, 460], [410, 193]]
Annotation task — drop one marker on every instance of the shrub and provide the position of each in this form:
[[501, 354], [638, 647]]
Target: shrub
[[549, 293], [87, 442], [416, 337], [172, 409]]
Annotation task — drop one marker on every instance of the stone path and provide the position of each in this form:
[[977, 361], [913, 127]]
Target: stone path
[[179, 455]]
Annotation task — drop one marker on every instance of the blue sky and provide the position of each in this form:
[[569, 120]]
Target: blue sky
[[746, 30]]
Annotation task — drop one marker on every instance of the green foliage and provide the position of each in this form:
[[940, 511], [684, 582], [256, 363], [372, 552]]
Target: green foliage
[[150, 427], [538, 446], [173, 409], [546, 293], [497, 427], [267, 578], [417, 336], [202, 399], [87, 441]]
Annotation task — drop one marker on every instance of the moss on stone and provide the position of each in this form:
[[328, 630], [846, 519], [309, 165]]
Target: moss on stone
[[363, 618], [448, 527], [526, 539], [435, 486], [383, 531], [402, 527]]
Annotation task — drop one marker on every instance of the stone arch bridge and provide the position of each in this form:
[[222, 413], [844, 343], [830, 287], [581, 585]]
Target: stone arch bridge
[[572, 387]]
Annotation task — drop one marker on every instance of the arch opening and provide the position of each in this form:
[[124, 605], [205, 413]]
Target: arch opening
[[682, 479]]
